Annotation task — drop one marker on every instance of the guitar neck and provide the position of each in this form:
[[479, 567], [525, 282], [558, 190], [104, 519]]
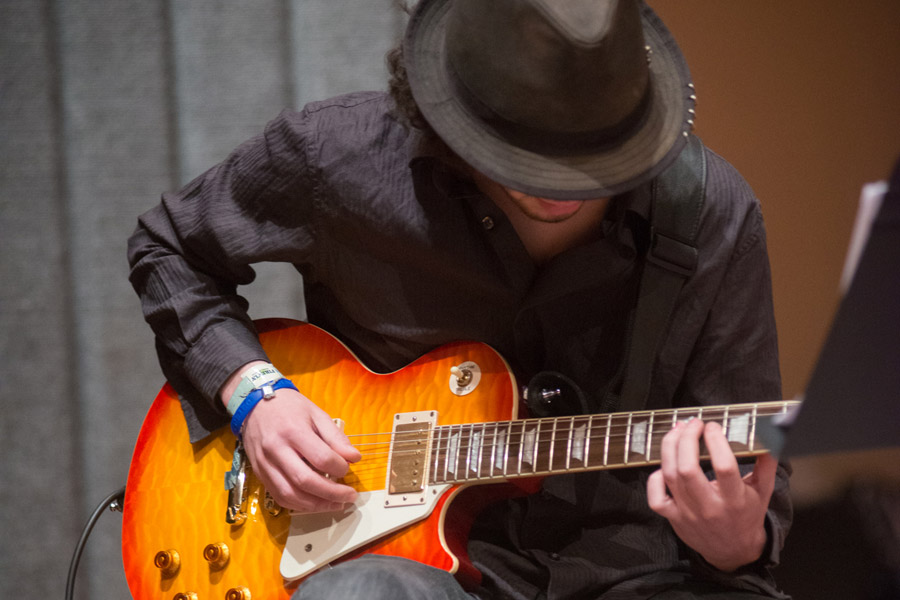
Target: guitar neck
[[488, 452]]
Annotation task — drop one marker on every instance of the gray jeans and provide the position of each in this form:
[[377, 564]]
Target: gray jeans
[[376, 577]]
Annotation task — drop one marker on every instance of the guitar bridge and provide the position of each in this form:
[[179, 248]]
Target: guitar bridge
[[408, 460]]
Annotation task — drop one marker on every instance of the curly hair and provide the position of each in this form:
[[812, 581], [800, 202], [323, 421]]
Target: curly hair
[[398, 87], [398, 83]]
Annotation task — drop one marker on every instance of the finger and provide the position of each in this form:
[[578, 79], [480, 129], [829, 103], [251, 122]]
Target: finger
[[658, 498], [287, 495], [335, 438], [763, 477], [728, 474], [693, 481], [305, 482], [320, 455], [668, 453]]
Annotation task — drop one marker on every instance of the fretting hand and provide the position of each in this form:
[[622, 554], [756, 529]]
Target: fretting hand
[[723, 520]]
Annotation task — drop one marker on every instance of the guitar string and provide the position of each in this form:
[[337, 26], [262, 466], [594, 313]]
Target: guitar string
[[374, 470], [619, 424], [560, 439], [558, 436], [373, 466]]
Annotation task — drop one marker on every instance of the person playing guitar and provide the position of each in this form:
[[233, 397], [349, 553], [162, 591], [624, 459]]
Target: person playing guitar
[[506, 191]]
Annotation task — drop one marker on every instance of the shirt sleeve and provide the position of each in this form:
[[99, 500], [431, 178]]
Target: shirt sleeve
[[735, 357], [189, 254]]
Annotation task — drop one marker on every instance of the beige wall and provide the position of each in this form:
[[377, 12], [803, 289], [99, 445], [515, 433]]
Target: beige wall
[[803, 97]]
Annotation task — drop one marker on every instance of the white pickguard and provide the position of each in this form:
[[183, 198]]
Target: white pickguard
[[318, 539]]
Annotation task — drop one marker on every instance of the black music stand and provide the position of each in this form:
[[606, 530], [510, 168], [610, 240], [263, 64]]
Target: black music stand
[[852, 402]]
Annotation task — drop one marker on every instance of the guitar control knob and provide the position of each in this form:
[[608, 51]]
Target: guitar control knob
[[185, 596], [216, 555], [238, 593], [167, 561]]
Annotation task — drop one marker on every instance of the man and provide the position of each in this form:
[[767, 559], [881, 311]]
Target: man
[[517, 214]]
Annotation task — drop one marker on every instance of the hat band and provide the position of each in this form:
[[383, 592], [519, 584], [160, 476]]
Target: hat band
[[549, 142]]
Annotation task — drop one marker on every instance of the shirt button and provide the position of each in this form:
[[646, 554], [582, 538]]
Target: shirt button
[[554, 556], [487, 223]]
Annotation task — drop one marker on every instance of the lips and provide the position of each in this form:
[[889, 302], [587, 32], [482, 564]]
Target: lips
[[558, 208]]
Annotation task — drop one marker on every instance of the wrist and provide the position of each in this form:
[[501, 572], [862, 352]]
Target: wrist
[[747, 554], [250, 376], [257, 395]]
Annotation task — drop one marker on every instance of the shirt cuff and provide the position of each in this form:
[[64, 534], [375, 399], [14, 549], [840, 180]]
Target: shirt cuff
[[220, 351]]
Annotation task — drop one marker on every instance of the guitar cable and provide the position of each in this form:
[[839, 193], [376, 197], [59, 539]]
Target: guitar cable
[[114, 502]]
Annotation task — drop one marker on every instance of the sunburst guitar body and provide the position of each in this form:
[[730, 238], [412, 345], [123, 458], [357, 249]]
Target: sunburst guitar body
[[176, 539]]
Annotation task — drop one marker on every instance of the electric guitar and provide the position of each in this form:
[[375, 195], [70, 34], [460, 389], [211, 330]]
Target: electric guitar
[[429, 434]]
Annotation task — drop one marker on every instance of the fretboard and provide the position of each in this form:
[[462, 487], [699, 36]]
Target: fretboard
[[532, 447]]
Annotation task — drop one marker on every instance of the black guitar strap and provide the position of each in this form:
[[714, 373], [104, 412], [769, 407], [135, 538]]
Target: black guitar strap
[[677, 201]]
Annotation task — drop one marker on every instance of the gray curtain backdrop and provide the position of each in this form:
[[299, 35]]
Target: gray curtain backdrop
[[104, 104]]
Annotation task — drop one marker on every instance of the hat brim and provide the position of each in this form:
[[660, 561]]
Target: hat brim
[[646, 151]]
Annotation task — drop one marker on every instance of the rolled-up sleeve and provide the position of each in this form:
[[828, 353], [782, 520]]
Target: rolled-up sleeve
[[189, 254]]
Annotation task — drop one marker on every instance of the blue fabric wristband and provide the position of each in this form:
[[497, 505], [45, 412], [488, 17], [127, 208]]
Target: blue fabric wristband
[[252, 399]]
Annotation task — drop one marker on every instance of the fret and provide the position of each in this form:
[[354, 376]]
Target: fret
[[470, 441], [649, 436], [587, 442], [531, 448], [509, 448], [627, 439], [578, 435], [552, 446], [753, 427], [545, 433], [606, 440], [726, 425], [458, 439], [448, 439], [561, 439], [451, 463], [569, 443], [478, 444], [490, 447], [522, 447], [500, 450], [436, 452], [618, 436]]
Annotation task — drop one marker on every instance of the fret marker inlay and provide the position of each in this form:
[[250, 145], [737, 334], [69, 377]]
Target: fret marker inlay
[[739, 429], [453, 453], [528, 442], [639, 438], [578, 436]]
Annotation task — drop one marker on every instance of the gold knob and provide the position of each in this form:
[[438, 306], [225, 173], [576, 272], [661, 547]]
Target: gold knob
[[185, 596], [216, 554], [238, 593], [167, 561]]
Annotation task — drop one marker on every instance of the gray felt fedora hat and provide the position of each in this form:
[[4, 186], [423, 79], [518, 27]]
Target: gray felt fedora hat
[[572, 99]]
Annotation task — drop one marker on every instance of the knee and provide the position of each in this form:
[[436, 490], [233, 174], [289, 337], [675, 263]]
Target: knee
[[378, 578]]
